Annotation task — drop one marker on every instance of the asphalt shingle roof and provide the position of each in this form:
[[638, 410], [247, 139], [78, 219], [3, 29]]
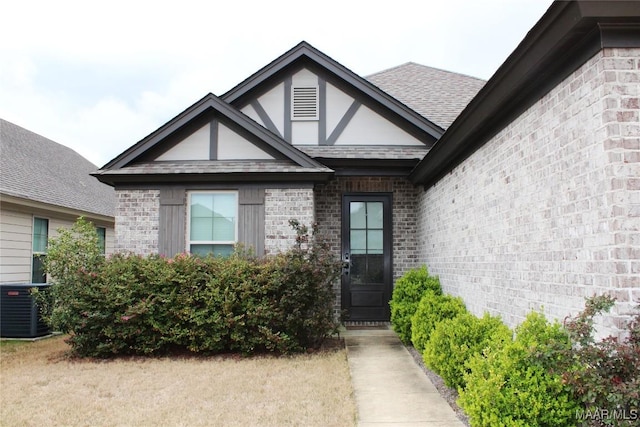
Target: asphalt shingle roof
[[212, 166], [364, 151], [35, 168], [436, 94]]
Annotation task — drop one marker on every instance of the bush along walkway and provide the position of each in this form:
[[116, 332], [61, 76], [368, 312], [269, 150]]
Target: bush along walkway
[[542, 373], [389, 387]]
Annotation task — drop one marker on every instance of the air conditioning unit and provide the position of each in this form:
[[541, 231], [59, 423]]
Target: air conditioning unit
[[19, 316]]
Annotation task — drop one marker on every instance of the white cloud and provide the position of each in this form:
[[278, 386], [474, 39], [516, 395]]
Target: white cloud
[[100, 76]]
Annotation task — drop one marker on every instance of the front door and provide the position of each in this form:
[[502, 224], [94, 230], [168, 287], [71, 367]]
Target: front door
[[367, 278]]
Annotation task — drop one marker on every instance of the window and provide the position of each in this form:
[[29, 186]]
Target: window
[[39, 249], [213, 227], [102, 235]]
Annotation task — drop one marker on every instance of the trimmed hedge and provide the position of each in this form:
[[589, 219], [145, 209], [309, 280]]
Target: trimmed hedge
[[514, 385], [407, 293], [129, 304], [432, 310], [454, 341]]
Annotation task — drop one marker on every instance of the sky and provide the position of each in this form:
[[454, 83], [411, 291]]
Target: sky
[[100, 76]]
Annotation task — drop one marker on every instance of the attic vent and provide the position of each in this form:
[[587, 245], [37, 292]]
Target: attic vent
[[304, 103]]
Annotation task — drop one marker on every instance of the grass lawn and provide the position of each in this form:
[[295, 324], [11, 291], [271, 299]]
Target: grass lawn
[[41, 386]]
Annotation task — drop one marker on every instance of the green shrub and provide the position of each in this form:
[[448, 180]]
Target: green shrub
[[454, 341], [73, 258], [407, 293], [432, 310], [514, 385], [129, 304], [604, 375]]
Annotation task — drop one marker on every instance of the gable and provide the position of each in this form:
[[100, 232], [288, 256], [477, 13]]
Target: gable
[[232, 135], [328, 114], [268, 97], [214, 141]]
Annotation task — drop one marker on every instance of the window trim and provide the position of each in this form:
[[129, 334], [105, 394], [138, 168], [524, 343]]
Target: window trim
[[189, 242], [39, 253]]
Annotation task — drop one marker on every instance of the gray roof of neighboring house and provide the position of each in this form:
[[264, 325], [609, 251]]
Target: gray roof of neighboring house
[[35, 168], [436, 94]]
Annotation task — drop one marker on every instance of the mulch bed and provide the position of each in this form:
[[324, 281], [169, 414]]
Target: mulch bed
[[449, 394]]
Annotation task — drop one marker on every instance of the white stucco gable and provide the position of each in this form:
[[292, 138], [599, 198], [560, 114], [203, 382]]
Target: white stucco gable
[[214, 141], [331, 113]]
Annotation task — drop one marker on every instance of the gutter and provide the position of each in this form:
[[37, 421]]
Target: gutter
[[567, 35]]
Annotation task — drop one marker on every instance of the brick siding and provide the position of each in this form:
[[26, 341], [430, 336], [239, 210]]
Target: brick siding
[[547, 212], [328, 200], [137, 221], [282, 205]]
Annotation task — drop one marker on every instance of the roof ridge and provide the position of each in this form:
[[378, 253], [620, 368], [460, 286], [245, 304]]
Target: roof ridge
[[424, 66]]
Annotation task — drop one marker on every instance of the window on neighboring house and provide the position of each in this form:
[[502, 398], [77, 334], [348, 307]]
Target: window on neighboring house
[[39, 249], [213, 225], [102, 235]]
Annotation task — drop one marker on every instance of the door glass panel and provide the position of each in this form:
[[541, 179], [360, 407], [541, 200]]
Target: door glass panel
[[375, 268], [358, 269], [374, 241], [367, 242], [374, 215], [358, 241], [358, 215]]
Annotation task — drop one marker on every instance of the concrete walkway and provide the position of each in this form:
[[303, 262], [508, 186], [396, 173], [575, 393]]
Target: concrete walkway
[[390, 388]]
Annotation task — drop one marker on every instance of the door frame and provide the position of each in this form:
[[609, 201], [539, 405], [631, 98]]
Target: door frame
[[345, 252]]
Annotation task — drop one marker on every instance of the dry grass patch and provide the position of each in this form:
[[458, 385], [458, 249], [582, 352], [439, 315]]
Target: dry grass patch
[[40, 385]]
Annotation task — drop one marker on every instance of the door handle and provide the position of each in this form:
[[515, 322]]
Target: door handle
[[346, 263]]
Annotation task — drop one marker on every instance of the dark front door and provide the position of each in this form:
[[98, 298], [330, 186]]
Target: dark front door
[[367, 279]]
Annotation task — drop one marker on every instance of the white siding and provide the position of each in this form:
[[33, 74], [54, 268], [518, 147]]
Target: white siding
[[194, 147], [338, 103], [304, 133], [232, 146], [250, 112], [304, 77], [369, 128], [15, 246], [273, 103]]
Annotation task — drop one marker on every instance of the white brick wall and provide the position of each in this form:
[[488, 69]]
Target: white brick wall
[[137, 221], [547, 212], [282, 205]]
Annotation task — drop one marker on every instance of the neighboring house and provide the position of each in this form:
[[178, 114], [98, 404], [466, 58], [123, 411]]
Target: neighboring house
[[529, 198], [44, 186]]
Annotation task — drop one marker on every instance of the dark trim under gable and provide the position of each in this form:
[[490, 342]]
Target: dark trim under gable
[[117, 180], [566, 36], [370, 167], [265, 117], [213, 140], [288, 133], [342, 124], [322, 113]]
